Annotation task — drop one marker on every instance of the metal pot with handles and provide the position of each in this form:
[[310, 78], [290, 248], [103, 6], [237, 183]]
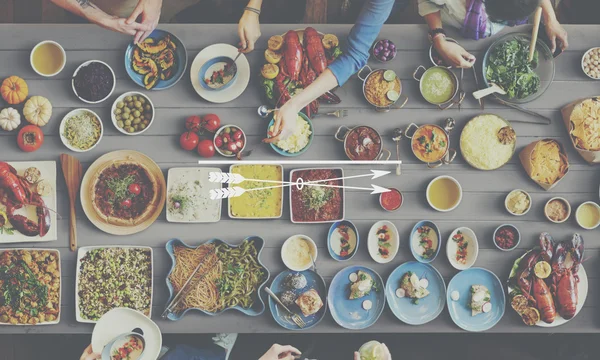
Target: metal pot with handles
[[430, 143], [423, 76], [384, 103], [362, 143]]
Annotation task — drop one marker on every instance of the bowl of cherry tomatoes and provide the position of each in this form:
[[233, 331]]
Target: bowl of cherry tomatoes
[[229, 140]]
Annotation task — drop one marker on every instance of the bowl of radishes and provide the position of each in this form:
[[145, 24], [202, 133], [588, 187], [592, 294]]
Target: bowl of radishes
[[384, 50], [230, 140]]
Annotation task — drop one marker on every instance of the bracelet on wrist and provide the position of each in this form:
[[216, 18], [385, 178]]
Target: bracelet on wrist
[[251, 9]]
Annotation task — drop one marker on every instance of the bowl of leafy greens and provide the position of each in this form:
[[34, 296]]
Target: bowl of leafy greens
[[506, 64]]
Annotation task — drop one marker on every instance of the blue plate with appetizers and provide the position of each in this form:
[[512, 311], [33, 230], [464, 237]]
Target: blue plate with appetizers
[[288, 286]]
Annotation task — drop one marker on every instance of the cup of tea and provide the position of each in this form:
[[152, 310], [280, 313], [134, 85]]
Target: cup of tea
[[48, 58]]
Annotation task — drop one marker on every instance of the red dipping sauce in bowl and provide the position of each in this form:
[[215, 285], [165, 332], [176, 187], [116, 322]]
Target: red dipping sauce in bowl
[[391, 200]]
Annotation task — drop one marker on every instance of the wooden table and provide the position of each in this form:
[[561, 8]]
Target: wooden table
[[482, 208]]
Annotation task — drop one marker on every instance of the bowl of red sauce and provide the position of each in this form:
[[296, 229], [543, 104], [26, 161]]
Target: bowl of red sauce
[[391, 200], [507, 237]]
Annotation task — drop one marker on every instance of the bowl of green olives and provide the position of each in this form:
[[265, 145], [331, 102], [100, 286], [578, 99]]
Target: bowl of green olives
[[132, 113]]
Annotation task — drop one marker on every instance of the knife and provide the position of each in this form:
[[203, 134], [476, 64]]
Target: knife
[[72, 172]]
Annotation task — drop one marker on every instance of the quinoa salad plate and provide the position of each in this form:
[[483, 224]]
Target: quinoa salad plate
[[111, 277]]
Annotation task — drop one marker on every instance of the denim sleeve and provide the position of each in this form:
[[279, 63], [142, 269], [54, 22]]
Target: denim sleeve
[[363, 34]]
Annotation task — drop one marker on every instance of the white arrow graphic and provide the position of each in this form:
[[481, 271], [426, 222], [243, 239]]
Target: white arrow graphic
[[231, 178], [226, 193]]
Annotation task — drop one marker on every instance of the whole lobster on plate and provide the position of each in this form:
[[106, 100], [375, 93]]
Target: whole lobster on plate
[[301, 63], [558, 293], [15, 192]]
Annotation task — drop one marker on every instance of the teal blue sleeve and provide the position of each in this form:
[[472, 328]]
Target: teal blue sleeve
[[363, 34]]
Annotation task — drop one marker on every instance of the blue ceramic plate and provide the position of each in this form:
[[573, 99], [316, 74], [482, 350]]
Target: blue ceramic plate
[[413, 241], [460, 311], [428, 307], [350, 313], [257, 308], [314, 281], [330, 239], [310, 138], [180, 62], [209, 67]]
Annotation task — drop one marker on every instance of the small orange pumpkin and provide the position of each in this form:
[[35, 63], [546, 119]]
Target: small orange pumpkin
[[14, 90]]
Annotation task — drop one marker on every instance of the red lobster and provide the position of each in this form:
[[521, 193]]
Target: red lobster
[[527, 264], [314, 50], [292, 55], [17, 193], [564, 277]]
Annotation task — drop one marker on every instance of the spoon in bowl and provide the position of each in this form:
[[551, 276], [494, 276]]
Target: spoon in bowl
[[264, 111], [494, 88]]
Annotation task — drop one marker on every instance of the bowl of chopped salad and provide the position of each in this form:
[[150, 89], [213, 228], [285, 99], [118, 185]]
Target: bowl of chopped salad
[[506, 64], [81, 130]]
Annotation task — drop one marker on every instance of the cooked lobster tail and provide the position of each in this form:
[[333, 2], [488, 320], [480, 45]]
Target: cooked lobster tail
[[315, 50], [292, 55], [544, 300]]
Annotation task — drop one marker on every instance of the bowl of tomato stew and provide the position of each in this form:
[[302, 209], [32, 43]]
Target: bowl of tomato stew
[[431, 143], [391, 200], [310, 201], [362, 143]]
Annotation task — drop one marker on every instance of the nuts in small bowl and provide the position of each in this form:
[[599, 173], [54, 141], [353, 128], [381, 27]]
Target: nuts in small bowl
[[590, 63]]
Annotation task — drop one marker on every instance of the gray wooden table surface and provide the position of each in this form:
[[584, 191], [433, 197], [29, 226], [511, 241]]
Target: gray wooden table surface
[[482, 207]]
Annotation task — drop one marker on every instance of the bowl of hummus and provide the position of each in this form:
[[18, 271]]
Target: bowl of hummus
[[381, 88]]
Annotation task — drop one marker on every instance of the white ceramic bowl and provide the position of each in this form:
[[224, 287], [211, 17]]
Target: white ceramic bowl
[[63, 123], [373, 246], [577, 211], [460, 193], [526, 194], [472, 248], [62, 50], [218, 132], [568, 211], [516, 243], [86, 64], [120, 98], [312, 246], [583, 67]]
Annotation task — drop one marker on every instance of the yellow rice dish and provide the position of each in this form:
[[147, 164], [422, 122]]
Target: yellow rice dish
[[485, 143], [258, 204]]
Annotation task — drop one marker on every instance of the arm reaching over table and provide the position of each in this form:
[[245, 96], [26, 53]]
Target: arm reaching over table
[[91, 12], [249, 26], [363, 34]]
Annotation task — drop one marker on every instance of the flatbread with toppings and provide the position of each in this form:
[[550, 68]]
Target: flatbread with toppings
[[124, 193]]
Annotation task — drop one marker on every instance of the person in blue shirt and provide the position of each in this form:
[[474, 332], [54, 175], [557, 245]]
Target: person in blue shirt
[[364, 32]]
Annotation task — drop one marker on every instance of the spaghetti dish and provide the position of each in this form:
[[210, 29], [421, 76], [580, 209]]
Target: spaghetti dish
[[229, 276]]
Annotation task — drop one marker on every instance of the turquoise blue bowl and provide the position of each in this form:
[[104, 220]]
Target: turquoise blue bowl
[[310, 138], [334, 226], [204, 73], [429, 307], [459, 310], [257, 308], [180, 62], [314, 281], [418, 257], [348, 313]]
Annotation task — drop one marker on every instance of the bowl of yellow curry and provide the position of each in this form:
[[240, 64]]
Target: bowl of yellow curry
[[260, 200], [431, 143]]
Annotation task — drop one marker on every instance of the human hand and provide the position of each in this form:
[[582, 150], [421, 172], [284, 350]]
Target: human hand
[[150, 12], [249, 31], [88, 354], [284, 122], [120, 25], [452, 53], [279, 352], [386, 353], [555, 32]]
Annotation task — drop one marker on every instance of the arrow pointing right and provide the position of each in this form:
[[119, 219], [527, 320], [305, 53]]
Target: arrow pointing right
[[379, 189]]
